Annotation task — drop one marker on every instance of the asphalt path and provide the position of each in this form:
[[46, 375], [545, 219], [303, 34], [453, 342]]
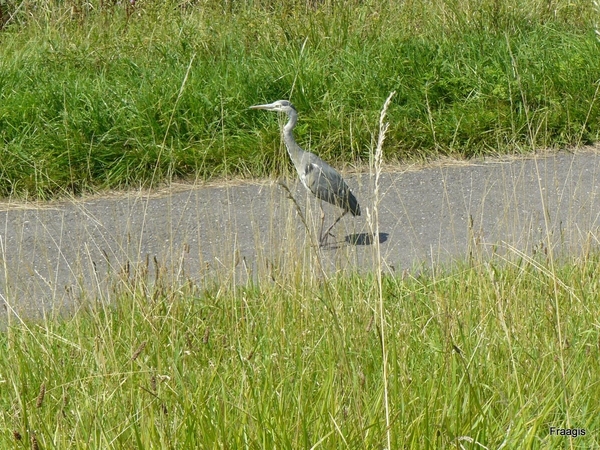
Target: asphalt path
[[54, 256]]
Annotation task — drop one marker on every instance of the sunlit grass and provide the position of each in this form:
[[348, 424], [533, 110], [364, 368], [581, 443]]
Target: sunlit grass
[[93, 98], [474, 356], [482, 354]]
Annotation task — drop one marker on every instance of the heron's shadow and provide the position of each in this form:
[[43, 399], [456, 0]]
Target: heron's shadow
[[366, 238]]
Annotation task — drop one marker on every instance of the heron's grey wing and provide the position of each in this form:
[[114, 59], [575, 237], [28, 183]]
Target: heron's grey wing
[[327, 184]]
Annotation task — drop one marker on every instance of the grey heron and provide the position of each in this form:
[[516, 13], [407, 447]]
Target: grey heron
[[316, 175]]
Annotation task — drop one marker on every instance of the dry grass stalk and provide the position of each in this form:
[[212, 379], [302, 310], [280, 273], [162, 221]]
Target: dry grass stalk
[[373, 219]]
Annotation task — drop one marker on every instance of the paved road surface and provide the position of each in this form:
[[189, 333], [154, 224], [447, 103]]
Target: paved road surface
[[430, 216]]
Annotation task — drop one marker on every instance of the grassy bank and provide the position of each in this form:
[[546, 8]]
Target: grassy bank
[[94, 95], [485, 355]]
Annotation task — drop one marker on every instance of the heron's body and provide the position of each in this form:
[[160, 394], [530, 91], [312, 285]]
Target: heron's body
[[316, 175]]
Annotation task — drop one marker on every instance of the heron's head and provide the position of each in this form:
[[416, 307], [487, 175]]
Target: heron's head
[[280, 106]]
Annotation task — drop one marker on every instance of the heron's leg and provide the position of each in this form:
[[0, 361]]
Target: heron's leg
[[322, 222], [327, 232]]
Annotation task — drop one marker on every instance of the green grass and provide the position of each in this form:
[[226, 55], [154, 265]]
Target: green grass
[[101, 97], [490, 353], [487, 353]]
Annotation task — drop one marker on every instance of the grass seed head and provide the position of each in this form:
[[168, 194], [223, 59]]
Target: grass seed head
[[41, 395], [34, 442], [138, 351]]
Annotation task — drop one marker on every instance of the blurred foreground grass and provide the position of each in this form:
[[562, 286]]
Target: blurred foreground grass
[[487, 354]]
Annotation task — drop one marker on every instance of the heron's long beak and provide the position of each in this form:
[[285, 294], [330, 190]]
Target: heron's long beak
[[267, 106]]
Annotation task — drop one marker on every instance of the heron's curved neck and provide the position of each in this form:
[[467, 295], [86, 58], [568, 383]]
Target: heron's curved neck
[[292, 119], [293, 149]]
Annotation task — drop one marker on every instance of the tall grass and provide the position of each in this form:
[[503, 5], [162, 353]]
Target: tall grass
[[474, 362], [490, 354], [91, 92]]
